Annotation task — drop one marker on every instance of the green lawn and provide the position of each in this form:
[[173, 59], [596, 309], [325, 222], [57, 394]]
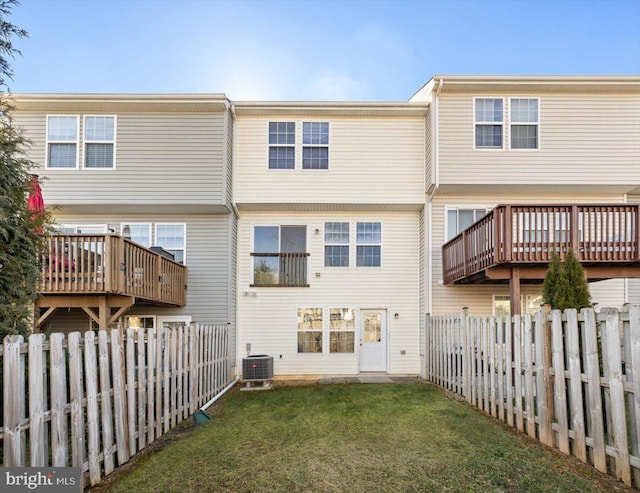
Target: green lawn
[[361, 437]]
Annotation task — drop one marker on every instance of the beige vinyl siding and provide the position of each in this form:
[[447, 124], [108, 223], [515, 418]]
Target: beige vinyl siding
[[478, 297], [208, 255], [428, 150], [583, 139], [268, 320], [160, 158], [228, 159], [371, 160]]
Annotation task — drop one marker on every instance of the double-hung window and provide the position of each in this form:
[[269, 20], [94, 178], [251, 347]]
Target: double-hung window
[[524, 123], [341, 330], [310, 326], [336, 244], [368, 244], [315, 145], [172, 237], [489, 123], [282, 145], [62, 141], [99, 141]]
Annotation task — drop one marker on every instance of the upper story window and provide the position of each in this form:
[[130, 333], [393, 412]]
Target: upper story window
[[99, 141], [489, 119], [62, 141], [282, 145], [172, 237], [280, 256], [524, 123], [368, 244], [336, 244], [460, 219], [315, 145]]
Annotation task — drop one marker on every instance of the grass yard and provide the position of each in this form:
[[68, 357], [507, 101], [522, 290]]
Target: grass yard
[[361, 437]]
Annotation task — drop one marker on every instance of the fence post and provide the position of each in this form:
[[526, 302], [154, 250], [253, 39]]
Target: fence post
[[575, 386], [544, 385], [560, 396], [13, 399], [618, 418], [466, 355], [36, 402]]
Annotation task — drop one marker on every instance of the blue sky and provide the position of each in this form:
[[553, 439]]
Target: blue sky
[[313, 50]]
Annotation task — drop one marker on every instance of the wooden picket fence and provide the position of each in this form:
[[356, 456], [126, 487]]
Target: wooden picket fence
[[94, 400], [570, 380]]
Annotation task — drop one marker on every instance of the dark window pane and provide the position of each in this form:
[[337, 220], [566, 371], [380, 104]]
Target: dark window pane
[[336, 256], [266, 239], [99, 156], [266, 270], [341, 342], [524, 136], [293, 239], [282, 133], [309, 342], [489, 136], [368, 256], [62, 155], [281, 158], [315, 158]]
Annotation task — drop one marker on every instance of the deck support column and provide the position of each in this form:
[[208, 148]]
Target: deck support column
[[514, 291]]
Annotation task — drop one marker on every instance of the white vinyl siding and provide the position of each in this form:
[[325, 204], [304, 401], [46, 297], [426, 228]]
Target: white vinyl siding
[[586, 140], [165, 160], [268, 317], [99, 141], [62, 141], [372, 161]]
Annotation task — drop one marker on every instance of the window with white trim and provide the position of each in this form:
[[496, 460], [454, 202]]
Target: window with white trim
[[282, 145], [489, 123], [524, 122], [172, 237], [310, 327], [62, 141], [368, 244], [336, 244], [501, 306], [460, 219], [341, 330], [87, 229], [99, 141], [315, 145], [138, 232], [140, 321]]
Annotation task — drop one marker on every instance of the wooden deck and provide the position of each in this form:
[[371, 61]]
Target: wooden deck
[[106, 271], [519, 240]]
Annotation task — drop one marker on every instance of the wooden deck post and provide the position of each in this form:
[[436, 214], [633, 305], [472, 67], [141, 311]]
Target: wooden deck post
[[514, 291]]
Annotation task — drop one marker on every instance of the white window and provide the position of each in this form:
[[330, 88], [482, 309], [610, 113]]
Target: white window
[[282, 145], [460, 219], [315, 145], [488, 120], [310, 330], [368, 244], [62, 141], [524, 123], [172, 237], [336, 244], [140, 233], [99, 141], [341, 330]]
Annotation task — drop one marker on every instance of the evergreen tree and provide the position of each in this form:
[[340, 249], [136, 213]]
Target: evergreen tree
[[564, 284], [21, 232]]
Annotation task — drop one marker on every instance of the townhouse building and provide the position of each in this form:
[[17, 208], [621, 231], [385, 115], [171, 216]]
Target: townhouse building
[[324, 231]]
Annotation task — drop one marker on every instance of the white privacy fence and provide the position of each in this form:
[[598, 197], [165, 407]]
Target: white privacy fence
[[571, 380], [94, 400]]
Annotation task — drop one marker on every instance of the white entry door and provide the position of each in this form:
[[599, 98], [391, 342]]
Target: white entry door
[[373, 340]]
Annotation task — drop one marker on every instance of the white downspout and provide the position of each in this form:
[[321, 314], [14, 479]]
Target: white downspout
[[436, 167]]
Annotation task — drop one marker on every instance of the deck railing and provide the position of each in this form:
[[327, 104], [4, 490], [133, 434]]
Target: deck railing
[[284, 270], [110, 264], [528, 234]]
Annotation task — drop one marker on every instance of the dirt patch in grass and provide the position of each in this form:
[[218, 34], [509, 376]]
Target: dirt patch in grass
[[374, 437]]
